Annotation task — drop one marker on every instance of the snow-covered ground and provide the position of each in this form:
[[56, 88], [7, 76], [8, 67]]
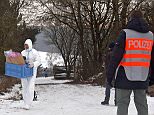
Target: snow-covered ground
[[49, 80], [66, 99]]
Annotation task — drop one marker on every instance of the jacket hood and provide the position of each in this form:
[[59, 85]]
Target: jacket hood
[[138, 24], [29, 43]]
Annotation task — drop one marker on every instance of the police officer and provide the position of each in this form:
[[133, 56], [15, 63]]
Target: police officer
[[108, 86], [130, 64]]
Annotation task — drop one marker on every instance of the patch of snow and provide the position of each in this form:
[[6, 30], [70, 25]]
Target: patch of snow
[[49, 80], [56, 59], [67, 99], [13, 92]]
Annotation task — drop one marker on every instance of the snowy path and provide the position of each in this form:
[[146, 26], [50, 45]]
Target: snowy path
[[65, 99]]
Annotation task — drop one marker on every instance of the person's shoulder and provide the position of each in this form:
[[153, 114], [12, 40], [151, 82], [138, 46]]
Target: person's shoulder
[[23, 51], [122, 35], [121, 38], [123, 31], [151, 33], [34, 50]]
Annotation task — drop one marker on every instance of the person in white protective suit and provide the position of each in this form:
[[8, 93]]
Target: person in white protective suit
[[28, 84]]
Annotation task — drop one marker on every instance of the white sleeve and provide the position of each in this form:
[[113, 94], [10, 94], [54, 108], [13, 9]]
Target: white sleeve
[[23, 53], [37, 61]]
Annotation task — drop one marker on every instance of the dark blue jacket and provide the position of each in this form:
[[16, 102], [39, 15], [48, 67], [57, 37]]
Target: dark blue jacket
[[121, 81]]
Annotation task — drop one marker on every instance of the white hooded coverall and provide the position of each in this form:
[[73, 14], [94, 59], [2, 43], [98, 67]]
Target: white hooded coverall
[[28, 84]]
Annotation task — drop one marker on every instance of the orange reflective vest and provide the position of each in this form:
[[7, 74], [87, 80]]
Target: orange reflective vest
[[136, 60]]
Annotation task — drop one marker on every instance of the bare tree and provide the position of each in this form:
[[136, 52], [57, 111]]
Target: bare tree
[[9, 19], [148, 8], [66, 41], [92, 19], [96, 22]]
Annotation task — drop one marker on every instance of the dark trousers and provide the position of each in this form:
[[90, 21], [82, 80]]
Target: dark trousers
[[107, 93], [123, 99]]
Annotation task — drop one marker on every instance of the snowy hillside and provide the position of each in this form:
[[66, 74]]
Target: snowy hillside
[[42, 44], [55, 59], [65, 99], [44, 47]]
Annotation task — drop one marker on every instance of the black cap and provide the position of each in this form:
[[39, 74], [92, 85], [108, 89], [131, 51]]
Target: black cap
[[136, 14]]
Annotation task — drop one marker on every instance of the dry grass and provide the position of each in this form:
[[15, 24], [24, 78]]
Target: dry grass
[[7, 82], [151, 91]]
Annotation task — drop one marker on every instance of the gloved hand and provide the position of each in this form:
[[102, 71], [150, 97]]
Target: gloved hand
[[30, 64]]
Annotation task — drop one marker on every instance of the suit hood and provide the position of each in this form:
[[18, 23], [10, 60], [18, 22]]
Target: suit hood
[[139, 25], [29, 43]]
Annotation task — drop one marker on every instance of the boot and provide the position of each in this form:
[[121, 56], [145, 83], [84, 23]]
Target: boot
[[35, 96], [115, 103], [105, 103]]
